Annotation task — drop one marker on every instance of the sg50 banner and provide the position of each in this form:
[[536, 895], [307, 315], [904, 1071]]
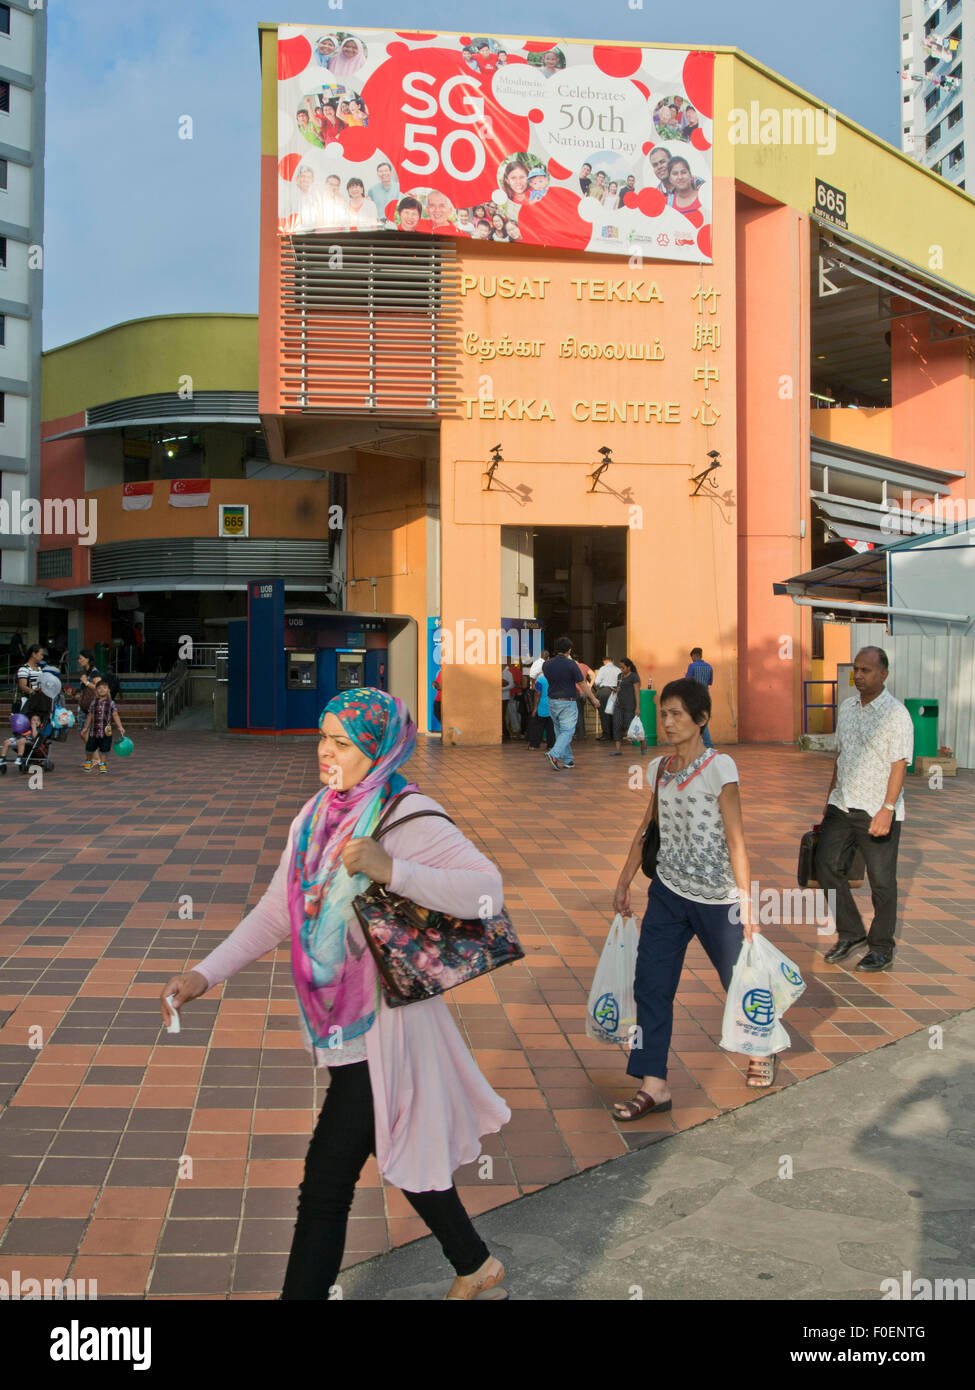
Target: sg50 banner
[[592, 147]]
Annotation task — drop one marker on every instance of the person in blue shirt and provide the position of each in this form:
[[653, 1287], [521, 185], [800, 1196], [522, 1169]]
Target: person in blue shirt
[[541, 716], [700, 670]]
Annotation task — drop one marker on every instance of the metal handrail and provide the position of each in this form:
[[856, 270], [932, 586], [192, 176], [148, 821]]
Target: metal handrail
[[171, 695], [207, 653]]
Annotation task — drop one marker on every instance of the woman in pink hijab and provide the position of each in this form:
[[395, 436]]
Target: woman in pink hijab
[[402, 1084], [349, 59]]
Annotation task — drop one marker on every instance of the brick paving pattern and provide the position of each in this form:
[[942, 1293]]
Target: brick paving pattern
[[167, 1166]]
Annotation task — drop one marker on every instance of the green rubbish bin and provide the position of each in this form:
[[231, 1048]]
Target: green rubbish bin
[[924, 717], [648, 717], [101, 655]]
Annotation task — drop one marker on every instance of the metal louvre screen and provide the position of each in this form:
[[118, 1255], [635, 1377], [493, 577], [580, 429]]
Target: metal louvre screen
[[169, 405], [131, 561], [369, 325]]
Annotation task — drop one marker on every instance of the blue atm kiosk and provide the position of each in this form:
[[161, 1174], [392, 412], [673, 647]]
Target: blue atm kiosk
[[283, 668]]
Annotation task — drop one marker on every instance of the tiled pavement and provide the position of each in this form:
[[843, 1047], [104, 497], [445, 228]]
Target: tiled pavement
[[168, 1166]]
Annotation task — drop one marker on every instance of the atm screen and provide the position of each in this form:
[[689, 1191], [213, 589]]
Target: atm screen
[[351, 673]]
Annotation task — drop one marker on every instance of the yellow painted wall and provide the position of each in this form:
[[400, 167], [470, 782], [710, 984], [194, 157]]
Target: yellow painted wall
[[150, 356], [892, 201]]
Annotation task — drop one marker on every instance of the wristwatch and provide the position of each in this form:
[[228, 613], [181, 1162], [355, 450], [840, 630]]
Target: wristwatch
[[889, 807]]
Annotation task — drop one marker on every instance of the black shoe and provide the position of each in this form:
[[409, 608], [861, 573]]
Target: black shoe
[[876, 960], [841, 950]]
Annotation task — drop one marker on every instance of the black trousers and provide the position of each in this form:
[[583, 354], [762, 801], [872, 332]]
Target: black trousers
[[842, 832], [344, 1138], [537, 725]]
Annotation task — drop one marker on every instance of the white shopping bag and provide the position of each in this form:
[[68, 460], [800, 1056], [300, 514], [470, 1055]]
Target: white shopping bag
[[611, 1011], [751, 1020], [787, 983], [611, 703], [635, 732]]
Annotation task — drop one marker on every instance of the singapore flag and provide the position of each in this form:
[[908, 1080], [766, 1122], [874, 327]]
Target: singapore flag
[[136, 497], [189, 492]]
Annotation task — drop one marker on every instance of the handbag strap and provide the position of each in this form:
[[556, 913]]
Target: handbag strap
[[654, 814], [382, 826]]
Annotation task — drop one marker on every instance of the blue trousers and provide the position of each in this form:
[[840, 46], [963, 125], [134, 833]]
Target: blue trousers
[[564, 714], [669, 923]]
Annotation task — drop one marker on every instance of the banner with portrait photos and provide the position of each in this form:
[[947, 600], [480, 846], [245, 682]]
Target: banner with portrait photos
[[591, 147]]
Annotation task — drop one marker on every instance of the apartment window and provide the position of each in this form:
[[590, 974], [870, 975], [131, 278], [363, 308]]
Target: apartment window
[[3, 253], [5, 96], [54, 564], [932, 99], [3, 408], [3, 173], [957, 155], [931, 23], [955, 116], [4, 19], [952, 5], [3, 330], [933, 136]]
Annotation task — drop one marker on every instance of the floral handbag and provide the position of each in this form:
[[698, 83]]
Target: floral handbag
[[420, 952]]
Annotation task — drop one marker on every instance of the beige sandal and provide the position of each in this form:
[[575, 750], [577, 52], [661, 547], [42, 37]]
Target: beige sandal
[[483, 1284], [761, 1071]]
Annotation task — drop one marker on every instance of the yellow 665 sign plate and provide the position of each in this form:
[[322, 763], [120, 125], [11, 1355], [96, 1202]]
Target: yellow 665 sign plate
[[233, 521]]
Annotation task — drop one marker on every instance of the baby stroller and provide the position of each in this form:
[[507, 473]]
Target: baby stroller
[[47, 702]]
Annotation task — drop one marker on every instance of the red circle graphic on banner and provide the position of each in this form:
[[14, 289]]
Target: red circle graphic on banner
[[704, 240], [642, 88], [630, 200], [558, 171], [647, 146], [651, 202], [440, 125], [288, 165], [698, 77], [537, 45], [617, 62], [405, 34], [699, 140], [536, 116], [554, 221], [294, 55], [358, 143], [695, 218]]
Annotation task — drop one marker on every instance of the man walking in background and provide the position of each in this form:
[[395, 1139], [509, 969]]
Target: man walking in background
[[700, 670], [607, 679], [566, 684], [864, 810]]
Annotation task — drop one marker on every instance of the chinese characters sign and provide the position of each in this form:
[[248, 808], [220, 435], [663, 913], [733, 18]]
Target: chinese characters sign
[[588, 147]]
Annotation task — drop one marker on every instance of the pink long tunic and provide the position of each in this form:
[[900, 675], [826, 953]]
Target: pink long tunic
[[432, 1105]]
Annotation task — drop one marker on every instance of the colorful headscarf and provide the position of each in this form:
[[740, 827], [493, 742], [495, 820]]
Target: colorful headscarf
[[337, 984]]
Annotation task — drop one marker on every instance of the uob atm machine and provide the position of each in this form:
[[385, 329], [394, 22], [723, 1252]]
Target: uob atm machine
[[284, 668]]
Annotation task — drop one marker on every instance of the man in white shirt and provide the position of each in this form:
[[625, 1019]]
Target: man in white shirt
[[865, 808], [535, 670], [387, 189], [307, 201], [607, 679]]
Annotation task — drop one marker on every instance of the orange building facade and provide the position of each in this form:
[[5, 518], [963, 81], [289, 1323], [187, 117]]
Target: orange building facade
[[821, 368]]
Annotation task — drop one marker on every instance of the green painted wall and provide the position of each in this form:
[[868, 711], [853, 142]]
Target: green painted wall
[[149, 356]]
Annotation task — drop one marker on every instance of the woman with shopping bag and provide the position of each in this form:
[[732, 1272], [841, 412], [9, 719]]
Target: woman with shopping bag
[[625, 705], [701, 887]]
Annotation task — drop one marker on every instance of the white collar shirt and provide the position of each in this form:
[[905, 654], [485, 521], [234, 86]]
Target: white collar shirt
[[869, 739], [607, 675]]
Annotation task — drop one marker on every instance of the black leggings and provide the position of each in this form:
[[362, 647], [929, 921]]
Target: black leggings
[[344, 1138]]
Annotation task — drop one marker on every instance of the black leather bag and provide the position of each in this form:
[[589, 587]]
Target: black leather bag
[[806, 869], [651, 836]]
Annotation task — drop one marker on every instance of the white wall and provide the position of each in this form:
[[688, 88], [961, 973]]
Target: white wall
[[937, 668]]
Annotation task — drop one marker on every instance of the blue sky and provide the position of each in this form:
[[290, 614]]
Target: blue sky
[[141, 222]]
